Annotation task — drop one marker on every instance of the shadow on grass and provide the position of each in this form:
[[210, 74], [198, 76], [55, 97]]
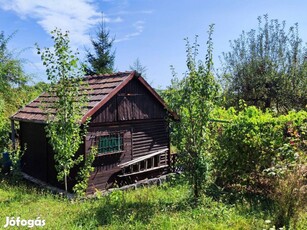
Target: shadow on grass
[[129, 212], [21, 190], [120, 211], [246, 202]]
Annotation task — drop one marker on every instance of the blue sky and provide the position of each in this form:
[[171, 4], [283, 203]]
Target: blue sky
[[151, 30]]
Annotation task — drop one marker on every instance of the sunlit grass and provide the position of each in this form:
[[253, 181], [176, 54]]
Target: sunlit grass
[[164, 207]]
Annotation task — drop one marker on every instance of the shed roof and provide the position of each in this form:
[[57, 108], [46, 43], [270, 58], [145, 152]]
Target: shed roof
[[101, 89]]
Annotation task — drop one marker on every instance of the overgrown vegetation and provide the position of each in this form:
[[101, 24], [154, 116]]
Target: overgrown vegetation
[[245, 165], [64, 117], [256, 144], [193, 98], [251, 150], [266, 67], [164, 207]]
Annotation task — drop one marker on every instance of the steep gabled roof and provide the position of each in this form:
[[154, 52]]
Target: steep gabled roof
[[101, 89]]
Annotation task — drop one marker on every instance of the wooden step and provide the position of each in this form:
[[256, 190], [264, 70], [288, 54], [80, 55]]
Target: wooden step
[[139, 159], [143, 171]]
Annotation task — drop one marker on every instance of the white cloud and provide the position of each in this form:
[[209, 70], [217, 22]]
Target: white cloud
[[138, 27], [125, 12], [110, 20], [76, 16]]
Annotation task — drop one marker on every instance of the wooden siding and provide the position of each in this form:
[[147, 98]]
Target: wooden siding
[[106, 113], [34, 161], [106, 165], [149, 138], [133, 102], [140, 138], [38, 159], [122, 103]]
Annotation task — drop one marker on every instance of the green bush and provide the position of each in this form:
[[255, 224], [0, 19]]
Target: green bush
[[255, 145], [4, 126]]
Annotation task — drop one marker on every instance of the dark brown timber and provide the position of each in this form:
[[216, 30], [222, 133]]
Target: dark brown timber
[[128, 120]]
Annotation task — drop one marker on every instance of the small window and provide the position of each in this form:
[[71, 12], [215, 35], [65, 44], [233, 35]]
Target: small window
[[111, 143]]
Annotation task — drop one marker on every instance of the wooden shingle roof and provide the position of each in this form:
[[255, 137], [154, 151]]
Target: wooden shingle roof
[[101, 89]]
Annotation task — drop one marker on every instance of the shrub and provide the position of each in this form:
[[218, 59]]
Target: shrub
[[255, 145], [290, 197], [290, 190]]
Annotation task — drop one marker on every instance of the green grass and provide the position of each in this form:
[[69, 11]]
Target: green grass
[[164, 207]]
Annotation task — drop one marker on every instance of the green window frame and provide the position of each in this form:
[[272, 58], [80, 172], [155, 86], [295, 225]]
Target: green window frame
[[110, 143]]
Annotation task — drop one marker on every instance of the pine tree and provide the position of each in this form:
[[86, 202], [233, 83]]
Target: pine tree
[[102, 60], [137, 66]]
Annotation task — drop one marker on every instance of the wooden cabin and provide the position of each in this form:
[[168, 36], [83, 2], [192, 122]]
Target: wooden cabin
[[128, 124]]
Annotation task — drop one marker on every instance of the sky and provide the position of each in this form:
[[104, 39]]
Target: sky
[[151, 30]]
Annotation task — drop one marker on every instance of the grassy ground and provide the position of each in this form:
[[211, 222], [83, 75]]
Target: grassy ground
[[164, 207]]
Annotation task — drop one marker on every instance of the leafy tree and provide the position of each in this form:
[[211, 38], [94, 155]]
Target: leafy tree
[[137, 66], [102, 60], [63, 126], [10, 67], [14, 92], [193, 98], [4, 127], [266, 68], [12, 76], [12, 81]]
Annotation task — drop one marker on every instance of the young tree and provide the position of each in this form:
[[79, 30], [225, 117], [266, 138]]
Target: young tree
[[193, 98], [63, 128], [266, 68], [102, 60], [137, 66]]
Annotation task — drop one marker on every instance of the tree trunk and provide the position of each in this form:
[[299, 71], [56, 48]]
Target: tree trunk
[[65, 181]]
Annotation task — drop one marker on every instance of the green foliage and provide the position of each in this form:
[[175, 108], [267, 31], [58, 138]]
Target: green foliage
[[15, 154], [14, 92], [12, 76], [290, 196], [266, 67], [10, 67], [193, 98], [290, 187], [102, 60], [255, 145], [84, 173], [4, 126], [63, 129], [261, 153]]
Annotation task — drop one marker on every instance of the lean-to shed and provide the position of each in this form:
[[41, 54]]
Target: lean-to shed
[[128, 124]]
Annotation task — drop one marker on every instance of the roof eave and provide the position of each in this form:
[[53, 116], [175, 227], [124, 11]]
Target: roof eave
[[27, 120]]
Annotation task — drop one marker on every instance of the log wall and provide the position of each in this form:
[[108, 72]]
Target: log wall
[[140, 138]]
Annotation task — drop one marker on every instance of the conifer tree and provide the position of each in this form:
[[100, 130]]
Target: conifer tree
[[101, 60]]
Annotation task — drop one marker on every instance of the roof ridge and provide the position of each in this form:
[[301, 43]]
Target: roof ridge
[[109, 74]]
